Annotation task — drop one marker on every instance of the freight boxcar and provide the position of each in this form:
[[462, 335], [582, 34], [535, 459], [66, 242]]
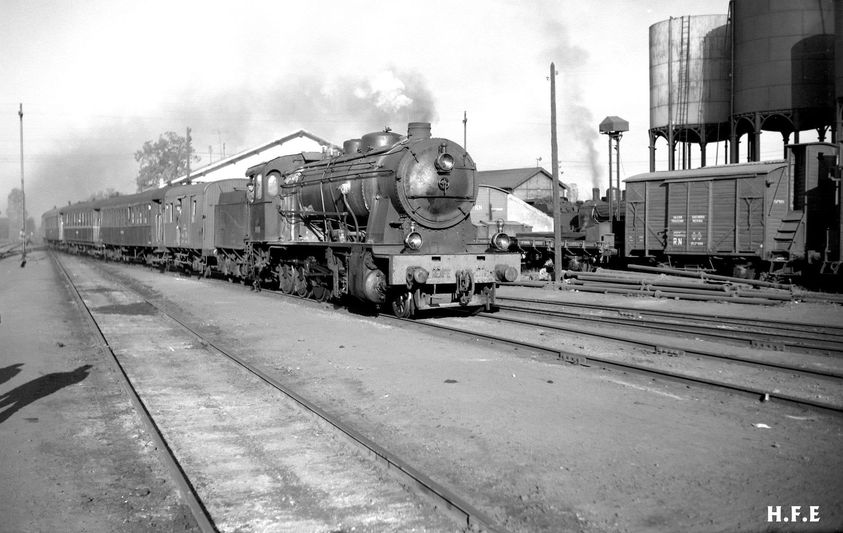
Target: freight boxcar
[[751, 218]]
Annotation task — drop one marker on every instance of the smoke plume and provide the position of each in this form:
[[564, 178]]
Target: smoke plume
[[93, 160], [569, 58]]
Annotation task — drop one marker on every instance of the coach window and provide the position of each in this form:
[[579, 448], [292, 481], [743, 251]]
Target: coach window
[[193, 211]]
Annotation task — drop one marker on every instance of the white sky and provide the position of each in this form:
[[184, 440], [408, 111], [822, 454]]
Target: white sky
[[97, 78]]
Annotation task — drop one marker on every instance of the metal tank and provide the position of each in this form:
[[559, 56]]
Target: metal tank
[[783, 65], [689, 80]]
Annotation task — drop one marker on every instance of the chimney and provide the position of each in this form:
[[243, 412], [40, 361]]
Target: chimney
[[417, 131], [595, 194]]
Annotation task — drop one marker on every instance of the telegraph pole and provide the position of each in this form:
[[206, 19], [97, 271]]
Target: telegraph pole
[[22, 192], [187, 142], [465, 130], [557, 223]]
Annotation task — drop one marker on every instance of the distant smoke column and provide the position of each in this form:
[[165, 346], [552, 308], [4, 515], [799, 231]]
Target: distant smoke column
[[585, 131]]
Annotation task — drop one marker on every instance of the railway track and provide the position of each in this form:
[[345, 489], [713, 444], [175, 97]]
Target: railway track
[[442, 499], [705, 379], [692, 326], [824, 333], [784, 371], [187, 490]]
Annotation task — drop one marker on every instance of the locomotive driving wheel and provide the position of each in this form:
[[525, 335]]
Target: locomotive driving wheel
[[320, 292], [285, 278], [300, 282], [402, 305]]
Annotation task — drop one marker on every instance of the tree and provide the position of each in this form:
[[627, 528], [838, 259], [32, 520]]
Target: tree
[[102, 195], [163, 160]]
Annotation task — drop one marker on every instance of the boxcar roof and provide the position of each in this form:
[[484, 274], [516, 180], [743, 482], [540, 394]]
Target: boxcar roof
[[708, 173]]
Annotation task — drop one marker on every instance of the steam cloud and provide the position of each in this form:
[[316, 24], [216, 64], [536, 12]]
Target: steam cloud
[[573, 113], [336, 109]]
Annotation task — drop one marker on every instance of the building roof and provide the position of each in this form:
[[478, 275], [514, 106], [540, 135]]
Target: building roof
[[230, 160], [511, 178]]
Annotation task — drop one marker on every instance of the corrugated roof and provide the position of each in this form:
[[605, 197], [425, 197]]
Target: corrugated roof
[[511, 178]]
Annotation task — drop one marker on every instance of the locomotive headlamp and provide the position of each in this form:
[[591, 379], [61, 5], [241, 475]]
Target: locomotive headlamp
[[413, 239], [501, 241], [445, 162]]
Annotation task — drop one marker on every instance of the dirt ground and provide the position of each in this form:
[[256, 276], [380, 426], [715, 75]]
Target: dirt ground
[[73, 454], [538, 445]]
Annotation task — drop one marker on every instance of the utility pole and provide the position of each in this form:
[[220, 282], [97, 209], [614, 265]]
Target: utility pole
[[187, 142], [22, 192], [557, 223], [465, 130]]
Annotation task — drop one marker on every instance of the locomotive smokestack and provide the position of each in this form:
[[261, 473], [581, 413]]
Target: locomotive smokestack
[[418, 130], [595, 194]]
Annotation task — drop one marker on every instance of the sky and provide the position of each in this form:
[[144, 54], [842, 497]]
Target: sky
[[98, 78]]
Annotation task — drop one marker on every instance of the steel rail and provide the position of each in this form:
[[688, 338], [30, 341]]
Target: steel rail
[[672, 348], [442, 497], [824, 332], [188, 493], [580, 359], [769, 340], [583, 360]]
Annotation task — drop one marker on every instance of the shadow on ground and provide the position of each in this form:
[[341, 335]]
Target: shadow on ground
[[18, 398]]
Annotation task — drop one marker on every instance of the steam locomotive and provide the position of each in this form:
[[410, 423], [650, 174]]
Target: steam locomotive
[[774, 219], [386, 223]]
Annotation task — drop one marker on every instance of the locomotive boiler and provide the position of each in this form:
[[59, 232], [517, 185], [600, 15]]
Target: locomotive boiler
[[386, 222]]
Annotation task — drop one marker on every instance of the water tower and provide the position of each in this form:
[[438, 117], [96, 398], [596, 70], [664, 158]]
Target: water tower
[[783, 69], [689, 85]]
